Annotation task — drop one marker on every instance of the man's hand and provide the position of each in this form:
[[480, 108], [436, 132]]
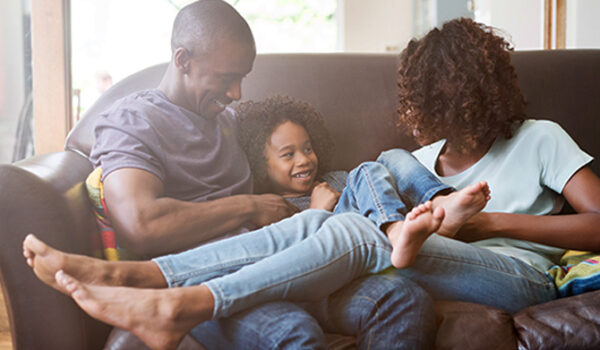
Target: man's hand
[[270, 208], [324, 197]]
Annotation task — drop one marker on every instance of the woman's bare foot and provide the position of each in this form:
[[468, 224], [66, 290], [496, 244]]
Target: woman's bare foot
[[159, 317], [460, 206], [408, 236], [46, 261]]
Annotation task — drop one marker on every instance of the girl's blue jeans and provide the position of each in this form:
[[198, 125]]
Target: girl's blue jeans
[[314, 253]]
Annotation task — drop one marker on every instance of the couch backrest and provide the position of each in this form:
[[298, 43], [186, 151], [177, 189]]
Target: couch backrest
[[356, 93]]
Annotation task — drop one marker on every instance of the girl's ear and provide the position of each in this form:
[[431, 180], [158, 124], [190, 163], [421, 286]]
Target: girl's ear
[[182, 58]]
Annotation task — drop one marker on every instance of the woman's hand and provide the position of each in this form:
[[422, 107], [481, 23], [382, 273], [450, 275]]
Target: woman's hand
[[324, 197]]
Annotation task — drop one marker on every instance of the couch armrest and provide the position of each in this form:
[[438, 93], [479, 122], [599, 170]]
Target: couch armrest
[[45, 195], [567, 323]]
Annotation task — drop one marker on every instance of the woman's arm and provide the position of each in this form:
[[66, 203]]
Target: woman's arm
[[579, 231]]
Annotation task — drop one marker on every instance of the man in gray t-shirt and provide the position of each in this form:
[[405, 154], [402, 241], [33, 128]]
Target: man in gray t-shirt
[[161, 148], [174, 177]]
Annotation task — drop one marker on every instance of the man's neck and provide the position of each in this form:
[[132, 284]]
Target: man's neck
[[169, 85]]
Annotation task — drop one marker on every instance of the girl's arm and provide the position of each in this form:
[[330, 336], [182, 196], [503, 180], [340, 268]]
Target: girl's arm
[[580, 231]]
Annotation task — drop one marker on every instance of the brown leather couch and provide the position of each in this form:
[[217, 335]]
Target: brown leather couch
[[356, 94]]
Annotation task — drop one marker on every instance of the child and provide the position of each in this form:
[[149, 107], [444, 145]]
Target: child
[[288, 149]]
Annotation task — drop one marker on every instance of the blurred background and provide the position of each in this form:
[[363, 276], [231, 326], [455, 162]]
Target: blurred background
[[111, 39]]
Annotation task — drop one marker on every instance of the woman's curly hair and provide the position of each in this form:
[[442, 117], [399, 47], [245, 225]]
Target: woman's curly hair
[[458, 83], [258, 120]]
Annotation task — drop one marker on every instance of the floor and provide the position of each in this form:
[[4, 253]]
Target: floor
[[5, 341]]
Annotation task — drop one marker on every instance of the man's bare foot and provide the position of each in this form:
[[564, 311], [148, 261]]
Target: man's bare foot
[[408, 236], [460, 206], [46, 261], [159, 317]]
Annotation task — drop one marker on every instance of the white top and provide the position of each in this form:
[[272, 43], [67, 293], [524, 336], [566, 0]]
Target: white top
[[526, 174]]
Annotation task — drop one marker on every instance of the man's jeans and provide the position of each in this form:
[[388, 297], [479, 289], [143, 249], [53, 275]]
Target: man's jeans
[[383, 312]]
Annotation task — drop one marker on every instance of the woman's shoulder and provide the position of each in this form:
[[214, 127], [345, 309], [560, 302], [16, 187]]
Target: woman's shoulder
[[539, 127]]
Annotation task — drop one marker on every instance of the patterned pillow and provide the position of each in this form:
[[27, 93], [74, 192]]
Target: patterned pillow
[[105, 242], [578, 272]]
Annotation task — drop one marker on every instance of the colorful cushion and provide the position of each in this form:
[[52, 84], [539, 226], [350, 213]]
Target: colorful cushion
[[105, 242], [578, 272]]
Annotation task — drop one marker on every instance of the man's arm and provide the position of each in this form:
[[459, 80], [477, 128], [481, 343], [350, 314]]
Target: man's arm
[[579, 231], [150, 224]]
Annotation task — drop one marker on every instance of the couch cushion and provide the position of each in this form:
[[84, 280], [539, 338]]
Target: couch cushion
[[123, 340], [472, 326]]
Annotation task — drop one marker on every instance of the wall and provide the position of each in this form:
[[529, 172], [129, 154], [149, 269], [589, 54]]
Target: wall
[[374, 25], [12, 84], [522, 20], [583, 26]]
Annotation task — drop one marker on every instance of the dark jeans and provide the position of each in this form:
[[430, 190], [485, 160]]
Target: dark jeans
[[382, 312]]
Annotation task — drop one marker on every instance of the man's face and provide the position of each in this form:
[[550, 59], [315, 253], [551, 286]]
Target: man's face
[[214, 80]]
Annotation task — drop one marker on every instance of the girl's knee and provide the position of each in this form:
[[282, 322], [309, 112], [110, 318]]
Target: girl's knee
[[361, 168], [394, 155]]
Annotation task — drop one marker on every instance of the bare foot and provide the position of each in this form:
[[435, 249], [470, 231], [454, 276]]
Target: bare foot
[[159, 317], [408, 236], [461, 205], [46, 261]]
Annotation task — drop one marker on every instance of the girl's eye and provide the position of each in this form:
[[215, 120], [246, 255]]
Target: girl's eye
[[287, 155], [308, 150]]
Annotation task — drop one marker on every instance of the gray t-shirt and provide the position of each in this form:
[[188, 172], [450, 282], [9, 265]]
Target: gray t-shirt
[[196, 158], [335, 179]]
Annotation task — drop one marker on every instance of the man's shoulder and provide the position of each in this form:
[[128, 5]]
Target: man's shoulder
[[136, 102]]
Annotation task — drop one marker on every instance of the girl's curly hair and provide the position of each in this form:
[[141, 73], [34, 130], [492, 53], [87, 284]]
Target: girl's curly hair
[[258, 120], [458, 83]]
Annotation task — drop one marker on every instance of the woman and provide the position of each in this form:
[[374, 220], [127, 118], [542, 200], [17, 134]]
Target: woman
[[459, 90]]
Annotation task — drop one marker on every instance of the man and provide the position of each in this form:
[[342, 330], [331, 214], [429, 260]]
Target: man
[[174, 177]]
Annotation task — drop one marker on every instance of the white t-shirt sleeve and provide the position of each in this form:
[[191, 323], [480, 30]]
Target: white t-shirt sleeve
[[559, 155]]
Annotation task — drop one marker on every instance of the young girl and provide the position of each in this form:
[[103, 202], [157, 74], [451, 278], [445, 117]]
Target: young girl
[[314, 251], [289, 148]]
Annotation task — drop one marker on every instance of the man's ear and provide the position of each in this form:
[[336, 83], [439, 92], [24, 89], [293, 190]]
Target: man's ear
[[182, 58]]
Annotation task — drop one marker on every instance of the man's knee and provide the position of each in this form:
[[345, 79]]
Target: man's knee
[[382, 309], [276, 325], [382, 296]]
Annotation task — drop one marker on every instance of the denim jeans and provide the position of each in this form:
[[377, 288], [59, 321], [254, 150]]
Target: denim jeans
[[314, 253], [283, 260], [383, 312], [386, 190]]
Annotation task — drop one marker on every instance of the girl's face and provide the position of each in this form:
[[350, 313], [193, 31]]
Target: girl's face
[[291, 162]]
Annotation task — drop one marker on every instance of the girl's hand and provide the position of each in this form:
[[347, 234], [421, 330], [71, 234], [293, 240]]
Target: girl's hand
[[324, 197]]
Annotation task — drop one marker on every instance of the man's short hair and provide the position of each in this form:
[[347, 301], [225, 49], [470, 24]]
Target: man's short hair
[[200, 26]]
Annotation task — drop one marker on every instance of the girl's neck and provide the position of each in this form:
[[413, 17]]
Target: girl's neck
[[452, 161]]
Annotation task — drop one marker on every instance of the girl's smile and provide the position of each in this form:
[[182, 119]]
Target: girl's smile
[[291, 162]]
